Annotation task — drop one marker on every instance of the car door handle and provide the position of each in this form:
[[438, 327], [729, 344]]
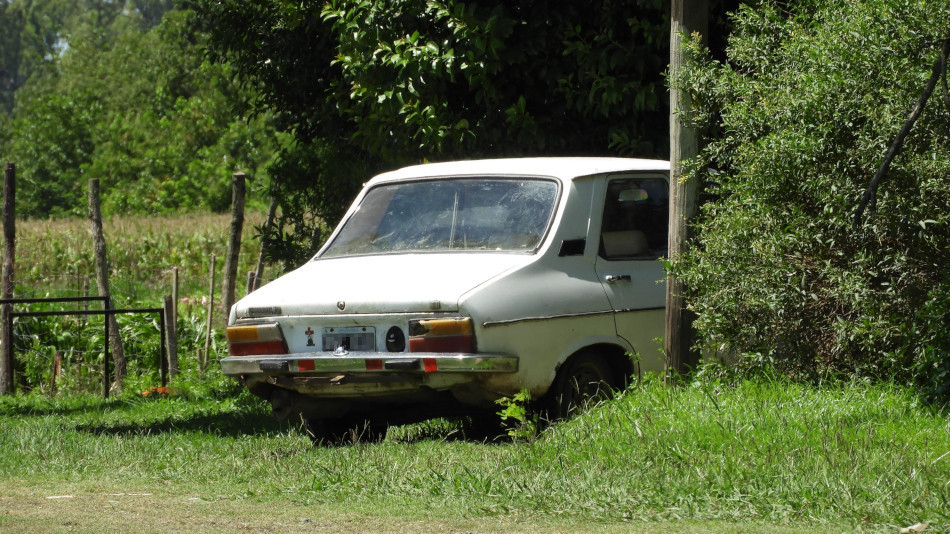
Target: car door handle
[[614, 278]]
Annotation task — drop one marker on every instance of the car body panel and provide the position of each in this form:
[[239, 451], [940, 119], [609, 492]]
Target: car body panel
[[530, 311]]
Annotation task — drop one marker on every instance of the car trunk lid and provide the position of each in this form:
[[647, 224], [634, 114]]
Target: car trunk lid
[[395, 283]]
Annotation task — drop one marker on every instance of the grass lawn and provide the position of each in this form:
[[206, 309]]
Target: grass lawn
[[756, 456]]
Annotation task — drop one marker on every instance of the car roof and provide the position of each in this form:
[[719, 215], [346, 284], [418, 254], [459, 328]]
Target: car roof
[[564, 168]]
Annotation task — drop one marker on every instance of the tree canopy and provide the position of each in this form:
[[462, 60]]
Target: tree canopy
[[369, 85], [317, 95], [801, 115], [122, 92]]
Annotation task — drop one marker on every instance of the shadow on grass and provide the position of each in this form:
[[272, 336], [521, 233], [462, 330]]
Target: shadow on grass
[[30, 410], [134, 416], [237, 424], [242, 416], [228, 424], [485, 429]]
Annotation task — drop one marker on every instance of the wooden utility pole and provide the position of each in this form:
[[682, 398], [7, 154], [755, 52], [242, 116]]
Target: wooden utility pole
[[234, 244], [686, 17], [102, 279], [6, 284]]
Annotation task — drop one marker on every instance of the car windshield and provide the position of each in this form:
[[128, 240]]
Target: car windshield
[[478, 214]]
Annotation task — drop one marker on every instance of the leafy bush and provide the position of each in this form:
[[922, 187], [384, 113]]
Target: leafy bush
[[802, 113]]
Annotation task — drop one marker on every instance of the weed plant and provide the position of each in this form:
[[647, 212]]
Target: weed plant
[[846, 457]]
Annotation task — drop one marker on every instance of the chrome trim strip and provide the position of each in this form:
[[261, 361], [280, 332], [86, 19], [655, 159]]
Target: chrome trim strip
[[488, 324]]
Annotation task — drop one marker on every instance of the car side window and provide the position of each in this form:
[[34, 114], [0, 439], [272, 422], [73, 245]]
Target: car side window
[[636, 219]]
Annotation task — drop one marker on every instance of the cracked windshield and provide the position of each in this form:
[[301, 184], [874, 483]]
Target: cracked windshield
[[449, 215]]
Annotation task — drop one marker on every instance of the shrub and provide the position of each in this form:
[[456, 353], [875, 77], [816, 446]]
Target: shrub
[[801, 115]]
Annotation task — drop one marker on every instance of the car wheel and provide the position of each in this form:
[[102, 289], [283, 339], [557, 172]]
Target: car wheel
[[330, 432], [583, 380]]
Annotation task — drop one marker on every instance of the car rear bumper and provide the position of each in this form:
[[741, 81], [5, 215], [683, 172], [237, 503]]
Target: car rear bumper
[[381, 363]]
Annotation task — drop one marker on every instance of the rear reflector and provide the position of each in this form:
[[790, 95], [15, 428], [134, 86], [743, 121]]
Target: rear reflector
[[253, 348], [255, 339]]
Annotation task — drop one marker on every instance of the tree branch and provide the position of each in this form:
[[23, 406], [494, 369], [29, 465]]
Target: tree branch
[[943, 58], [870, 195]]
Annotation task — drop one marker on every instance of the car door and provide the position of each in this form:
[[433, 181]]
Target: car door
[[633, 237]]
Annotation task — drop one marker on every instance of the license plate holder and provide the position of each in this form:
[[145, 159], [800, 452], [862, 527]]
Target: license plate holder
[[351, 338]]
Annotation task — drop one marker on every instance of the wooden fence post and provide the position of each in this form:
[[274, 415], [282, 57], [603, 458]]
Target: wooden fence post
[[250, 282], [173, 350], [175, 296], [204, 359], [234, 243], [171, 337], [259, 272], [6, 284], [102, 279]]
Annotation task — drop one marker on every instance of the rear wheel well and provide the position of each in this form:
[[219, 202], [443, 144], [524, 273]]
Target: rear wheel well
[[621, 363], [590, 375]]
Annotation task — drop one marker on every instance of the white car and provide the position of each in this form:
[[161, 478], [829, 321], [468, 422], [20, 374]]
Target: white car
[[450, 285]]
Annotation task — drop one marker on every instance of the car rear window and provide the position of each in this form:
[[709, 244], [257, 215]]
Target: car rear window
[[473, 214]]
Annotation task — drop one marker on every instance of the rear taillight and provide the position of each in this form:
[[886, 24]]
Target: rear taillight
[[442, 335], [256, 339]]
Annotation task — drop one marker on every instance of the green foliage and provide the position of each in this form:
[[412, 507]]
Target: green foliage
[[449, 78], [51, 140], [309, 206], [369, 85], [139, 108], [802, 112], [518, 416]]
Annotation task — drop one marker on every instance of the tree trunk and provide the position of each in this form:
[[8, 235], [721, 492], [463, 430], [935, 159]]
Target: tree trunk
[[234, 243]]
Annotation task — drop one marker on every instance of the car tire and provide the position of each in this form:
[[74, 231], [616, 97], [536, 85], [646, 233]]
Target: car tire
[[583, 380]]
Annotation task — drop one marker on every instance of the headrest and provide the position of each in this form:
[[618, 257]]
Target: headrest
[[624, 243]]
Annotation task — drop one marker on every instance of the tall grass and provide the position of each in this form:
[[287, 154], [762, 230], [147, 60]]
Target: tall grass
[[846, 457], [54, 255], [55, 259]]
